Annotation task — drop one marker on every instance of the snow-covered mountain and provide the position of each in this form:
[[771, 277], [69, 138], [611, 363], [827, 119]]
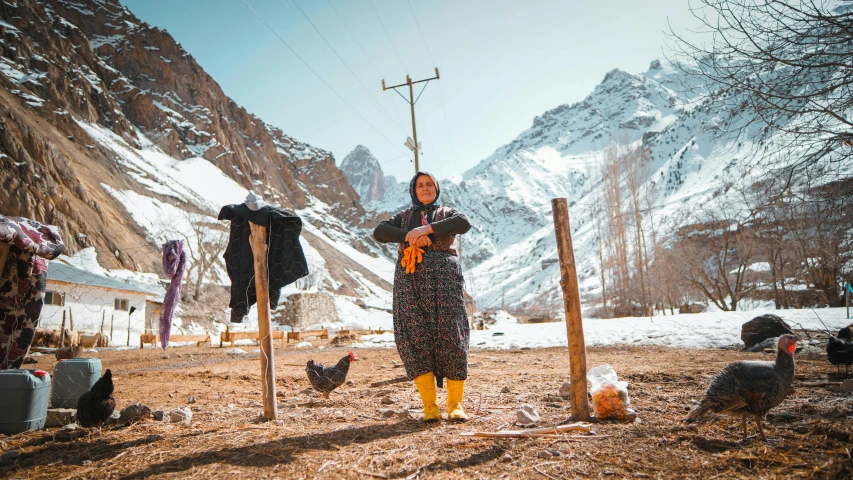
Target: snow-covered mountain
[[364, 174], [510, 253], [111, 131]]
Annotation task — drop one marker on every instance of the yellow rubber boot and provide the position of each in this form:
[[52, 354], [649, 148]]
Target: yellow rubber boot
[[455, 391], [426, 387]]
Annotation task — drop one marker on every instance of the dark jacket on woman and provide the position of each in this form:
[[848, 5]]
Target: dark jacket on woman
[[450, 222]]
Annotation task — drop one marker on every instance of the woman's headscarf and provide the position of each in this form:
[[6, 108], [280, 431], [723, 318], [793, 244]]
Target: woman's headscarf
[[417, 205]]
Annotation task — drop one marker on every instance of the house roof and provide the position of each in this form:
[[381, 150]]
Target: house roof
[[61, 272]]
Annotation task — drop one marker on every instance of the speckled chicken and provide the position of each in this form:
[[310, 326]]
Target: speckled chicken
[[325, 379], [839, 350], [95, 406], [750, 387]]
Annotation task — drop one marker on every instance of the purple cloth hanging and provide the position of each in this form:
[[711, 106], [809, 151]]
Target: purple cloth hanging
[[174, 262]]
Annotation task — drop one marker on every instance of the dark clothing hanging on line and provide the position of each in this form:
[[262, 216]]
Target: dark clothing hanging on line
[[285, 260]]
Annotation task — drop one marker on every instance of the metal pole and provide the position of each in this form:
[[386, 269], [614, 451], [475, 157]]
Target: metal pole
[[572, 305]]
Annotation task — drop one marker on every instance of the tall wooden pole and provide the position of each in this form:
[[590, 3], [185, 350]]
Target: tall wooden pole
[[258, 241], [103, 318], [412, 101], [572, 304], [70, 320], [414, 128], [112, 318], [128, 330]]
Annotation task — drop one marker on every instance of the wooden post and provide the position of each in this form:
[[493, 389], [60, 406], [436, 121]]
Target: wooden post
[[70, 320], [4, 254], [258, 241], [62, 331], [103, 318], [112, 318], [572, 304], [128, 330], [412, 101]]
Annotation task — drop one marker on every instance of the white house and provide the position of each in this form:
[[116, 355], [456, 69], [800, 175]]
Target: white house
[[95, 303]]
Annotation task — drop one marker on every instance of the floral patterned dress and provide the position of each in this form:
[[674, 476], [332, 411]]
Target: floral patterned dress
[[431, 327]]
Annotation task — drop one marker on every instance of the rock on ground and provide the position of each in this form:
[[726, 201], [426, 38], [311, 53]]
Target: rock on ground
[[58, 417], [527, 415], [763, 327]]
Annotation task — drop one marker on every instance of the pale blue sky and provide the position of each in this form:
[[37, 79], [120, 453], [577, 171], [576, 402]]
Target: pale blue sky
[[502, 62]]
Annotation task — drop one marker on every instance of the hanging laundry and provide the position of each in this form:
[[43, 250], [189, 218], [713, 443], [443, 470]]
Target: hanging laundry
[[174, 263], [285, 260], [26, 245]]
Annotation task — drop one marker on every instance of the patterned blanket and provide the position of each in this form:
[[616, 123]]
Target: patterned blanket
[[23, 279]]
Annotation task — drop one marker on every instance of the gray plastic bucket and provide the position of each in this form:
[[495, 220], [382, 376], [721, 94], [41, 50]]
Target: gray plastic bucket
[[71, 379], [23, 400]]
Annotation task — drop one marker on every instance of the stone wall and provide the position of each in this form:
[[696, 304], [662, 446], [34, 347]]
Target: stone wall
[[309, 309]]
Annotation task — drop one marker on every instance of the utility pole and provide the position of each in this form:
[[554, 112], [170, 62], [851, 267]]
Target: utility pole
[[412, 101]]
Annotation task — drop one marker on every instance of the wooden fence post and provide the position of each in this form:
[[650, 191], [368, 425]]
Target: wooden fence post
[[70, 320], [572, 305], [103, 318], [112, 319], [258, 241], [62, 331]]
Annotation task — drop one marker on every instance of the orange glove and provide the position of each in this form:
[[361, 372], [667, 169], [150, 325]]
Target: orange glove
[[412, 256]]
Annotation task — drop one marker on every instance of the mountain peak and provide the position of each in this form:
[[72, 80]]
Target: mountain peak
[[364, 174]]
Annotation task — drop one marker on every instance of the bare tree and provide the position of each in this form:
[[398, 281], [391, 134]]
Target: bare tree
[[617, 238], [714, 254], [780, 73], [204, 240]]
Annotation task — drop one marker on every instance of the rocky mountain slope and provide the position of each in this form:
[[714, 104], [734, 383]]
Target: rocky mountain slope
[[66, 63], [364, 174]]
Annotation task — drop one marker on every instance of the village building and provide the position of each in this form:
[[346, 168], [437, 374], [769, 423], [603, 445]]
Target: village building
[[94, 303]]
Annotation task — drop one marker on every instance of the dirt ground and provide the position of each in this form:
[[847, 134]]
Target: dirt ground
[[810, 434]]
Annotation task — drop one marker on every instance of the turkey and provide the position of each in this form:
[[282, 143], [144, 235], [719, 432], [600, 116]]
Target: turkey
[[750, 387], [839, 350]]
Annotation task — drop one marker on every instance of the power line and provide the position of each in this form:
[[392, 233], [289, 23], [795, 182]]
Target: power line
[[363, 51], [318, 75], [399, 57], [375, 101]]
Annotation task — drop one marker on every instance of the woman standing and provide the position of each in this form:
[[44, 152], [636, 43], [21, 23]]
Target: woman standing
[[430, 322]]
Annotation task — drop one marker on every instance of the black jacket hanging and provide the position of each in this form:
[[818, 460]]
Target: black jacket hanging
[[285, 260]]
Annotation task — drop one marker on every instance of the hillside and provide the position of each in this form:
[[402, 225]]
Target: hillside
[[111, 131]]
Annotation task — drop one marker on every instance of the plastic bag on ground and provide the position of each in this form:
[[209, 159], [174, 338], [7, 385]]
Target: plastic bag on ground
[[609, 396]]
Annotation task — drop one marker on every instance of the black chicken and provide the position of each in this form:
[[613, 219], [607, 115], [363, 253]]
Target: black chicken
[[95, 406], [325, 379], [839, 350]]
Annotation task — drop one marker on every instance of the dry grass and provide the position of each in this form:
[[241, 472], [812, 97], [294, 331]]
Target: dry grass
[[347, 436]]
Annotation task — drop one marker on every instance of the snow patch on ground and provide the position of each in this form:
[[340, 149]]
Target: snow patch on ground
[[700, 330]]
